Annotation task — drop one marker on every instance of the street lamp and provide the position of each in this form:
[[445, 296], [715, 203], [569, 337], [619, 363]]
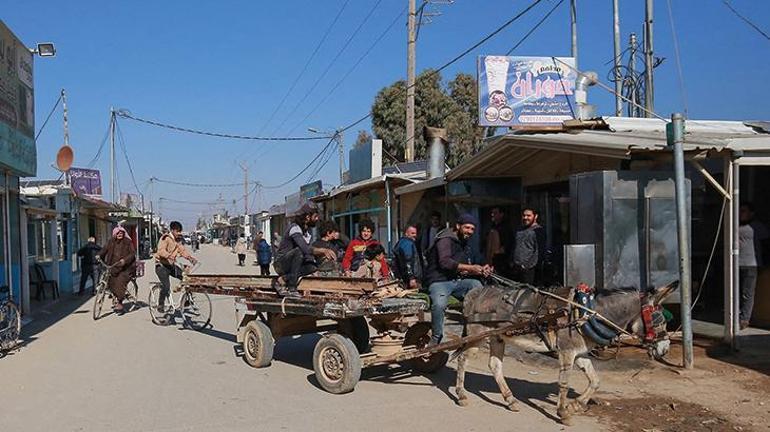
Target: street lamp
[[336, 135], [44, 49]]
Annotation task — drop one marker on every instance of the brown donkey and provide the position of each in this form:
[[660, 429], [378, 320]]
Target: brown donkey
[[494, 306]]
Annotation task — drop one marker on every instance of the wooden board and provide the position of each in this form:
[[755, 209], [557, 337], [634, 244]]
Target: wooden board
[[247, 285]]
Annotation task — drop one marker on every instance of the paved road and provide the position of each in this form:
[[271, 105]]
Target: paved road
[[126, 374]]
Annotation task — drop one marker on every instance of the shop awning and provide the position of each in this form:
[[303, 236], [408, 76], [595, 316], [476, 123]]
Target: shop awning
[[372, 183]]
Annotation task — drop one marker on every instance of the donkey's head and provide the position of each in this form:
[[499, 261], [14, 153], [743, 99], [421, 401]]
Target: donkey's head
[[650, 324]]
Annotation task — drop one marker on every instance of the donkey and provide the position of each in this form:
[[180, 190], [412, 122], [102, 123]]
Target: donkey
[[492, 306]]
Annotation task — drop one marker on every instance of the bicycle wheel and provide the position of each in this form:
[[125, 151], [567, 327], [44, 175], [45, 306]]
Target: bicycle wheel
[[132, 293], [196, 310], [10, 326], [101, 292], [160, 315]]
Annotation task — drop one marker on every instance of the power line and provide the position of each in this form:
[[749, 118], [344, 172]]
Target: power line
[[100, 149], [459, 56], [200, 185], [533, 29], [58, 101], [352, 68], [746, 20], [122, 142], [329, 66], [307, 64], [125, 114], [318, 156]]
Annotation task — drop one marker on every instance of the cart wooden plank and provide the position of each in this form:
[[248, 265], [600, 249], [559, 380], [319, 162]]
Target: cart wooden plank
[[247, 285]]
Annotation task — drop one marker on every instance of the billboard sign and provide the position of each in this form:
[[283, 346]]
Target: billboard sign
[[310, 190], [17, 107], [526, 92], [85, 181]]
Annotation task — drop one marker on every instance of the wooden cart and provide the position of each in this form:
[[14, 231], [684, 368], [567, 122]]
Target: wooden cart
[[343, 309]]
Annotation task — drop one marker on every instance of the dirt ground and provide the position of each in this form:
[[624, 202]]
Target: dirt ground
[[724, 392]]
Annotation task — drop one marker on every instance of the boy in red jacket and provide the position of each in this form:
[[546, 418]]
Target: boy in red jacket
[[354, 255]]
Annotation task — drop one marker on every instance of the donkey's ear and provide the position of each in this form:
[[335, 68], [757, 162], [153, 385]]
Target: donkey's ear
[[660, 294]]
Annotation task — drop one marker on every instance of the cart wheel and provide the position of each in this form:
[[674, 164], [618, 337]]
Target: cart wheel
[[336, 363], [357, 330], [419, 336], [258, 344]]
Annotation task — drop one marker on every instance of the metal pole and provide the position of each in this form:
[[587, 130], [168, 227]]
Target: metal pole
[[341, 147], [683, 235], [736, 253], [634, 111], [112, 155], [616, 46], [649, 92], [727, 247], [410, 80], [573, 25]]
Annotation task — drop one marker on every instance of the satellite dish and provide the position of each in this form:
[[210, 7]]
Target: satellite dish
[[64, 158]]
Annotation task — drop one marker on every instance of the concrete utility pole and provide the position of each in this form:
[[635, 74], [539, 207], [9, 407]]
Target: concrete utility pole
[[112, 156], [341, 147], [616, 46], [632, 72], [245, 169], [573, 26], [410, 80], [676, 140], [649, 59]]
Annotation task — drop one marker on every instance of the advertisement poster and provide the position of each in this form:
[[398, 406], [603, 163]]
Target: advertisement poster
[[85, 181], [521, 92], [17, 108]]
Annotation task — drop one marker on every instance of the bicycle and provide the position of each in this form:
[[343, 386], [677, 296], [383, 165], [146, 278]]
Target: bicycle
[[10, 322], [101, 291], [195, 307]]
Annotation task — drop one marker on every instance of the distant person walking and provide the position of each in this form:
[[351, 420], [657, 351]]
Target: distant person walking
[[264, 255], [240, 249], [88, 267]]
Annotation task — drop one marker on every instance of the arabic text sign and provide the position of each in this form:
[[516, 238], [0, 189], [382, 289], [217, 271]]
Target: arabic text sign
[[526, 91], [85, 181]]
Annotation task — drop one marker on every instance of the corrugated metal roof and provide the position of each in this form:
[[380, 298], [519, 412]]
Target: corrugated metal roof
[[623, 137], [372, 183]]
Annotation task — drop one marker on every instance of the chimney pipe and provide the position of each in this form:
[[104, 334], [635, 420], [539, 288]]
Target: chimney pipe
[[583, 81], [437, 141]]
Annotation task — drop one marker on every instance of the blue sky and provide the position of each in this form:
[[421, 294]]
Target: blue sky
[[224, 66]]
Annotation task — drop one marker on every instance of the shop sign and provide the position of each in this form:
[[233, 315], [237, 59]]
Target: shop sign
[[526, 92]]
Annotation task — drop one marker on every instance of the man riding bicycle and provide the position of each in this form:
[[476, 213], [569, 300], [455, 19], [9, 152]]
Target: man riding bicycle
[[169, 249]]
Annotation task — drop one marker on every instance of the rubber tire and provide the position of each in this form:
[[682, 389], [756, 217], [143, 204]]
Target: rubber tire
[[12, 325], [132, 293], [152, 305], [344, 349], [204, 303], [261, 336], [99, 295], [419, 336]]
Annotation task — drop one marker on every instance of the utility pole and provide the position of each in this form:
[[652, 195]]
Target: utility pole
[[649, 86], [676, 140], [245, 169], [341, 147], [410, 80], [112, 155], [616, 46], [634, 110], [573, 25]]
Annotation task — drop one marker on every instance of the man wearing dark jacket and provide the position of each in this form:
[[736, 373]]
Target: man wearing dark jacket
[[407, 260], [295, 256], [88, 266], [529, 248], [449, 269]]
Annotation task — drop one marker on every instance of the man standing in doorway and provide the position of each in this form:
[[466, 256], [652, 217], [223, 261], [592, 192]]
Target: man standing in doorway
[[498, 242], [449, 270], [430, 232], [751, 234], [407, 260], [528, 248], [88, 268]]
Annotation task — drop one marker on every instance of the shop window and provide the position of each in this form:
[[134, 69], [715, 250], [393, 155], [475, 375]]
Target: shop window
[[39, 240], [63, 237]]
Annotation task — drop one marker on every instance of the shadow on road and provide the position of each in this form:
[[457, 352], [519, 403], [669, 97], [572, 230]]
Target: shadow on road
[[47, 316], [754, 353]]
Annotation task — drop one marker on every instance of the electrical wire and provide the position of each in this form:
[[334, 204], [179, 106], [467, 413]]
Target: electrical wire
[[533, 29], [199, 185], [318, 156], [329, 66], [58, 101], [682, 89], [125, 114], [101, 148], [122, 142], [351, 70], [458, 57], [746, 20]]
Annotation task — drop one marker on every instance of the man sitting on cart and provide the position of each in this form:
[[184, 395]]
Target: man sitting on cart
[[169, 249], [295, 256], [449, 270]]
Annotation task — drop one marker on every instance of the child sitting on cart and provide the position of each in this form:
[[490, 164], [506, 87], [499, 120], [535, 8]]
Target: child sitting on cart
[[372, 266]]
